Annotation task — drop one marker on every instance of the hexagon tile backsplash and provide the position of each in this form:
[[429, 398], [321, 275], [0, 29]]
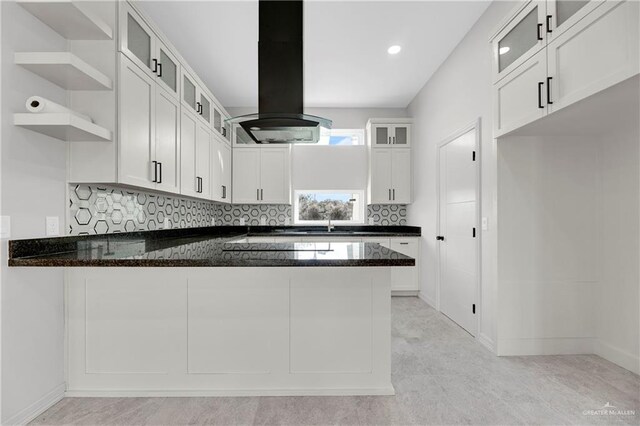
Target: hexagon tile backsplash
[[101, 209]]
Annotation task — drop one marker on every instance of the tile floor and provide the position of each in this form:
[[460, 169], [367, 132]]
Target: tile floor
[[441, 375]]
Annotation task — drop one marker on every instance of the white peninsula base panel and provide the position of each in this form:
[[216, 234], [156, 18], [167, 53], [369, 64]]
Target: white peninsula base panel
[[228, 331]]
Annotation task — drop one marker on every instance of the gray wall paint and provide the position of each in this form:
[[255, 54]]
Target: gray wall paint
[[456, 95], [33, 175]]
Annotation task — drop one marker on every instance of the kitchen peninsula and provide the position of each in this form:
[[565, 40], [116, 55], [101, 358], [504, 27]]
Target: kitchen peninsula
[[202, 311]]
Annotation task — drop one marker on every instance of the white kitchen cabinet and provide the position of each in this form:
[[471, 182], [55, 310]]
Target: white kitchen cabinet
[[142, 46], [389, 134], [261, 175], [148, 138], [390, 178], [195, 97], [589, 46], [196, 144], [220, 170], [203, 160], [523, 35], [406, 279], [219, 123], [521, 97], [597, 52]]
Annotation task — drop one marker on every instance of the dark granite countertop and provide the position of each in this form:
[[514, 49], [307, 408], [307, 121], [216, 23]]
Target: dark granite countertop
[[209, 246]]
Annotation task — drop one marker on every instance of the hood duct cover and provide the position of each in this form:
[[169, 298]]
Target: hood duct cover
[[280, 117]]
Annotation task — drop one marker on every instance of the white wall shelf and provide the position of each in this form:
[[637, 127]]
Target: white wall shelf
[[63, 126], [69, 19], [64, 69]]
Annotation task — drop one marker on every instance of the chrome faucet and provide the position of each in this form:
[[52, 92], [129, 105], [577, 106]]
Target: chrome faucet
[[329, 225]]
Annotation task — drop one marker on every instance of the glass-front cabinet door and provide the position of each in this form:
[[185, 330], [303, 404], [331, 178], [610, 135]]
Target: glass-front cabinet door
[[562, 14], [137, 39], [520, 39], [189, 92], [401, 134], [167, 69], [204, 105], [217, 120], [380, 134]]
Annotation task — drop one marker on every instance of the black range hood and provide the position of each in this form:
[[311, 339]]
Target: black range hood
[[280, 117]]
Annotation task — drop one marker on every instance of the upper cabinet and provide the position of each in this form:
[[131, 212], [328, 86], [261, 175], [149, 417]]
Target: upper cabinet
[[262, 175], [140, 44], [582, 47], [386, 134], [195, 98], [390, 171]]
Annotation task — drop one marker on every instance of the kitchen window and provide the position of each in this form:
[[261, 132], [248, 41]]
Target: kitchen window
[[317, 207], [341, 137]]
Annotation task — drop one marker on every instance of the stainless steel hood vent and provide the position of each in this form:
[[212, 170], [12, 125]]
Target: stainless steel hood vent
[[280, 117]]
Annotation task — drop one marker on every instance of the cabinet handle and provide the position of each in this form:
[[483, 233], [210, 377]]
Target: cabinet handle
[[404, 244], [440, 238], [540, 84], [224, 131], [394, 194], [224, 192], [155, 171], [389, 194], [549, 101], [394, 140], [155, 66], [262, 194], [160, 173], [159, 69], [199, 108], [258, 194], [549, 23], [539, 31], [389, 143]]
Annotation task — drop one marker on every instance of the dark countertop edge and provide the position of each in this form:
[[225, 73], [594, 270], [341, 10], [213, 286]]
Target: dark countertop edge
[[177, 263], [25, 248]]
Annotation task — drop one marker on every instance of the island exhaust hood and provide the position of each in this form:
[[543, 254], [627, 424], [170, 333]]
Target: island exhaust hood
[[280, 117]]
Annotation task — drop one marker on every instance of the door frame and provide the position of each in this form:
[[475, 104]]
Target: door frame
[[474, 125]]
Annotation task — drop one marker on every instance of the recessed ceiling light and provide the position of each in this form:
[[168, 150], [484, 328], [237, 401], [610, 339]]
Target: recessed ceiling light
[[504, 50], [395, 49]]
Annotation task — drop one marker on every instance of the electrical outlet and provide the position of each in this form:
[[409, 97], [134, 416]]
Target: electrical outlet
[[242, 221], [485, 223], [52, 226], [5, 227], [166, 225], [263, 221]]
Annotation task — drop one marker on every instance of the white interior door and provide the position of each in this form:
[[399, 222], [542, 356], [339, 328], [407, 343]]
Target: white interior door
[[457, 226]]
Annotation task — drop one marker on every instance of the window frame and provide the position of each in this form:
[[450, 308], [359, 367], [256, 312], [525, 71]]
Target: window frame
[[360, 205], [360, 133]]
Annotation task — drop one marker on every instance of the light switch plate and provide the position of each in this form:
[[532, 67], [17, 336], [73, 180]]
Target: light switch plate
[[485, 223], [166, 225], [5, 226], [52, 224], [241, 221], [213, 221]]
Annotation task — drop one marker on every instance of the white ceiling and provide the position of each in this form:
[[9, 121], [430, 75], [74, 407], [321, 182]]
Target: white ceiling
[[345, 46]]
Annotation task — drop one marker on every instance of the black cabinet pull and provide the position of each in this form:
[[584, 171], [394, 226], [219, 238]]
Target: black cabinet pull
[[404, 244], [549, 101], [394, 194], [160, 173], [389, 194], [224, 131], [199, 108], [539, 31], [224, 192], [258, 194], [440, 238], [159, 69], [540, 84], [262, 194], [155, 171], [549, 23], [155, 66]]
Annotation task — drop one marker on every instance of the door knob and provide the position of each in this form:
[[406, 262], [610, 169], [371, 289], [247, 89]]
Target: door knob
[[440, 238]]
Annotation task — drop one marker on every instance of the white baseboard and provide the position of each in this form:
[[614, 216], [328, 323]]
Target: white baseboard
[[428, 300], [546, 346], [487, 342], [618, 356], [38, 407], [404, 293], [231, 392]]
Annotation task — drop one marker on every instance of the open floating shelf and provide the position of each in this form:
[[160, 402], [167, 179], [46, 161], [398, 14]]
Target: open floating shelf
[[63, 126], [69, 18], [64, 69]]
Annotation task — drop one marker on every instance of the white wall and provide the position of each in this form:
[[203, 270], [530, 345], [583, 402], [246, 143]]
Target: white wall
[[32, 186], [318, 167], [456, 95], [548, 207], [618, 296]]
